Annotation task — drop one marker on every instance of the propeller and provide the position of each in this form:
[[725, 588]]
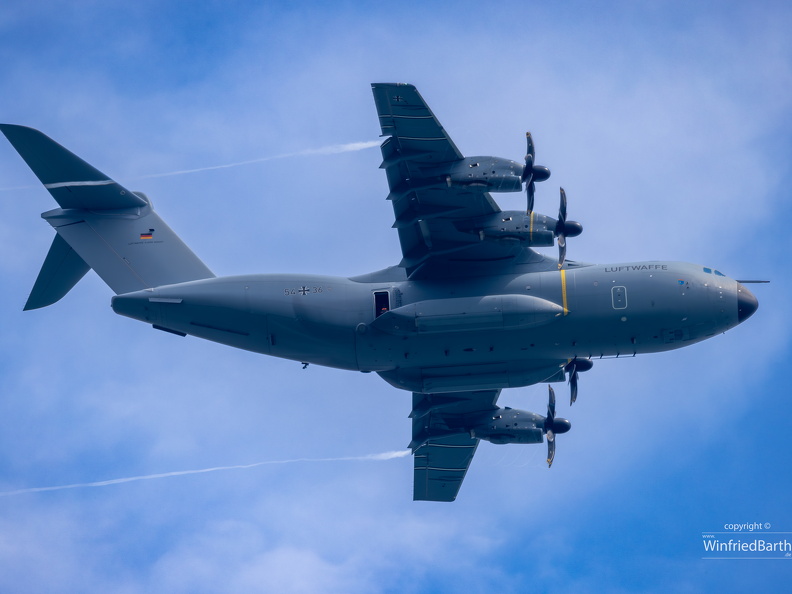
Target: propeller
[[532, 173], [574, 367], [553, 426], [536, 173], [565, 229]]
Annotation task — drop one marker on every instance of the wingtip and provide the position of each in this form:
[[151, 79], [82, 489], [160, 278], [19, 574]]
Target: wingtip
[[4, 127], [392, 84], [16, 133]]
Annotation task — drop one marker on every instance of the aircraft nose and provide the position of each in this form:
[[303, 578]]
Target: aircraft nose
[[746, 303]]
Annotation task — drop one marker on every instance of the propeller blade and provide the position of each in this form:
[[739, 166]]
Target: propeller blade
[[530, 155], [529, 191], [553, 426], [574, 368], [562, 208], [530, 152], [560, 231], [550, 448], [527, 175], [549, 434], [561, 250], [573, 385], [532, 173]]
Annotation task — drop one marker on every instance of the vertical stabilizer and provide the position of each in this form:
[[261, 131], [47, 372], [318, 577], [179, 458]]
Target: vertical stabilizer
[[100, 225]]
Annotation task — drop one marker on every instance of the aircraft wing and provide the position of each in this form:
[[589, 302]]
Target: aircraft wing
[[429, 209], [441, 461]]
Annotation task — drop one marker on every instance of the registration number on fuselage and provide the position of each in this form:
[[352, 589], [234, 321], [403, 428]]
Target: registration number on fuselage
[[302, 290]]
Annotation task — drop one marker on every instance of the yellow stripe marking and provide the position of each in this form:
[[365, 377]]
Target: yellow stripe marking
[[564, 291], [530, 230]]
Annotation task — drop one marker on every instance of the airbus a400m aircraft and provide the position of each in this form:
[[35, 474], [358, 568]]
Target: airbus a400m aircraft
[[470, 309]]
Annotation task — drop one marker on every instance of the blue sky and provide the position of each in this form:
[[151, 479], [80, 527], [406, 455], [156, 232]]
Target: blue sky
[[668, 124]]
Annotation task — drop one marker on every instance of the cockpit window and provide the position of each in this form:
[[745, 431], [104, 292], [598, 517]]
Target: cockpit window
[[716, 272]]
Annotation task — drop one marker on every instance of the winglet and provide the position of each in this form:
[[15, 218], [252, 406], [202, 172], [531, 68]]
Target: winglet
[[71, 181]]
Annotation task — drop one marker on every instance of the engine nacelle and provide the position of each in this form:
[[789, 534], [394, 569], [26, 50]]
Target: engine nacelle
[[532, 229], [492, 174], [499, 426], [510, 425]]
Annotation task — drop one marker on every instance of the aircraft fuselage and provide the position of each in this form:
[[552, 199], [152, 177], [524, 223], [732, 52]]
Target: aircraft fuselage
[[453, 334]]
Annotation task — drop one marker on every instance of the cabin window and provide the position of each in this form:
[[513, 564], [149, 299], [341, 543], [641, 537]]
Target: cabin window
[[381, 302]]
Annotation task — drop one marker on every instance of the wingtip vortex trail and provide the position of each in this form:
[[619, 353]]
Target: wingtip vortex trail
[[332, 149], [383, 456]]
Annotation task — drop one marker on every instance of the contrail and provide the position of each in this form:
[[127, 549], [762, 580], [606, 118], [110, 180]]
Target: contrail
[[147, 477], [325, 150], [332, 149]]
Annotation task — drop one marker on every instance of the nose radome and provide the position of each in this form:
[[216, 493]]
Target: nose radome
[[746, 303]]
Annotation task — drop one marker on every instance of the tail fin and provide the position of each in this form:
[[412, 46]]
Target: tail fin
[[100, 225]]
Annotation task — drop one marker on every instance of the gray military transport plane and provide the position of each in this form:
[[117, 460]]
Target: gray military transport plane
[[471, 308]]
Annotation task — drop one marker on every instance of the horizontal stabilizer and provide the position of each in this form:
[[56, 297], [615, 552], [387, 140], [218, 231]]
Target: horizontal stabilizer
[[71, 181], [62, 269]]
